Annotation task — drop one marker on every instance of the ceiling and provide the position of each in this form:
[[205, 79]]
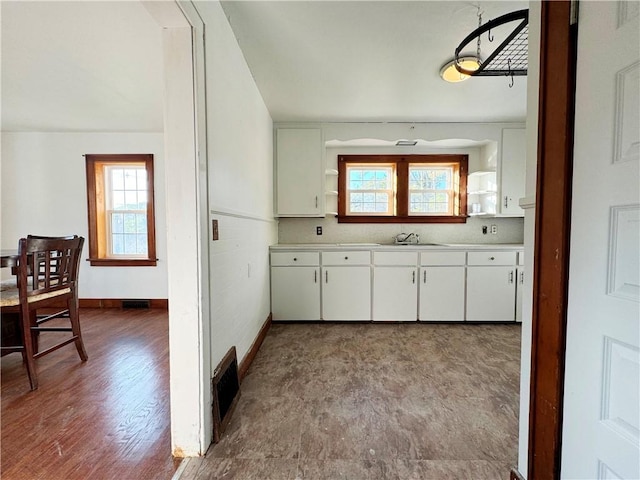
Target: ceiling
[[371, 60], [97, 66], [81, 66]]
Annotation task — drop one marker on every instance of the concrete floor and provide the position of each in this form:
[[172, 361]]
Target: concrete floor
[[374, 401]]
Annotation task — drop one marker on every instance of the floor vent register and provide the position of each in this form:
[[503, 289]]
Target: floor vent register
[[225, 389]]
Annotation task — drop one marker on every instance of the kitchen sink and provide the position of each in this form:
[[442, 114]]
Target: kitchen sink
[[357, 244]]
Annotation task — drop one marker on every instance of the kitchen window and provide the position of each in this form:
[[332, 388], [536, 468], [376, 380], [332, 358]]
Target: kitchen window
[[402, 188], [120, 206]]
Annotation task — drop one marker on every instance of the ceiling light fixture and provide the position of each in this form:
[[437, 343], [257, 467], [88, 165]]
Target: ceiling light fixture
[[450, 73]]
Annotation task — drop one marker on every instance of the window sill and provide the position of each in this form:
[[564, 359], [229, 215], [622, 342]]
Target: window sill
[[397, 219], [122, 262]]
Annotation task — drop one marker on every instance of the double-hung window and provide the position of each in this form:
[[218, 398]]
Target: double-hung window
[[120, 203], [402, 188]]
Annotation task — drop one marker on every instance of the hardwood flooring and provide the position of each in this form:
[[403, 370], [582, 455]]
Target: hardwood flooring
[[374, 401], [104, 419]]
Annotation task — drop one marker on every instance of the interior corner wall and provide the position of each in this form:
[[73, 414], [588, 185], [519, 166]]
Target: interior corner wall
[[240, 169], [44, 193]]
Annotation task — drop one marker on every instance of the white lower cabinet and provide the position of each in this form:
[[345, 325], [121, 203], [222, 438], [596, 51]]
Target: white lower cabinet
[[395, 286], [491, 293], [442, 293], [346, 293], [395, 294], [400, 285], [295, 293]]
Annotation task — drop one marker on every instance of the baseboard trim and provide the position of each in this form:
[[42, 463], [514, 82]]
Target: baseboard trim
[[516, 475], [251, 354], [162, 303]]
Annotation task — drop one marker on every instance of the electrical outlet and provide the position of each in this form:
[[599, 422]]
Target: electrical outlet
[[318, 230], [494, 229], [214, 230]]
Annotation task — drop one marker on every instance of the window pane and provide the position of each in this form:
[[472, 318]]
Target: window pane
[[117, 223], [117, 199], [370, 189], [117, 178], [117, 242], [141, 174], [130, 223], [142, 244], [130, 179], [141, 223], [131, 200], [142, 200], [130, 244]]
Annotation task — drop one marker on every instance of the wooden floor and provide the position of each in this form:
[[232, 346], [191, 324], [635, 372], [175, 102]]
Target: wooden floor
[[104, 419]]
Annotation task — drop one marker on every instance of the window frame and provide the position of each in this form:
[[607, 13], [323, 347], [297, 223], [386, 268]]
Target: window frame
[[97, 210], [402, 162]]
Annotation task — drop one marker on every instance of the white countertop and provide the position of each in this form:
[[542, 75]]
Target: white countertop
[[379, 246]]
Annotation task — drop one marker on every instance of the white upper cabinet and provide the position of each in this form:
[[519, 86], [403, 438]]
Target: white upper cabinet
[[299, 173], [512, 171]]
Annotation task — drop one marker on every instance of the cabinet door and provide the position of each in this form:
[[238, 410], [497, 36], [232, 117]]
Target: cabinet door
[[442, 294], [512, 170], [491, 293], [395, 294], [519, 291], [299, 172], [295, 293], [346, 293]]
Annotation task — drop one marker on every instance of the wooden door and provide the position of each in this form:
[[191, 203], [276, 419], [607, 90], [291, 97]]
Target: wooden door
[[601, 401]]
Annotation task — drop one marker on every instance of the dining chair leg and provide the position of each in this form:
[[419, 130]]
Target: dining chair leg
[[74, 317], [28, 349]]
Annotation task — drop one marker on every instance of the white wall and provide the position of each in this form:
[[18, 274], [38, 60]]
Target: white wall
[[240, 153], [510, 230], [44, 193]]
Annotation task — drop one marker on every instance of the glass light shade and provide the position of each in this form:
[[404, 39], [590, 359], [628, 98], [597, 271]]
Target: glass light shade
[[449, 73]]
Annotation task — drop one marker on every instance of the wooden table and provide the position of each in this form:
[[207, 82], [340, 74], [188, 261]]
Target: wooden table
[[8, 258], [10, 329]]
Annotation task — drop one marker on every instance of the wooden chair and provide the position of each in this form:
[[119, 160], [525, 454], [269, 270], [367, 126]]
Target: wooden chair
[[47, 275]]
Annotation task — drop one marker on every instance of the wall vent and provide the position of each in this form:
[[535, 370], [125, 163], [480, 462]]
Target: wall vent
[[136, 304], [225, 390]]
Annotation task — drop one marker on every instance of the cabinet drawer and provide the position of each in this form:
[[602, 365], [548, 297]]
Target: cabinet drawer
[[346, 258], [442, 258], [520, 258], [491, 258], [395, 258], [281, 259]]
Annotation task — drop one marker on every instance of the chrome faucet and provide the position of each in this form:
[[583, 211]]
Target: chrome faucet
[[407, 238]]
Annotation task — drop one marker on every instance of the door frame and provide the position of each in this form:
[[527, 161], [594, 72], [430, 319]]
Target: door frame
[[558, 48]]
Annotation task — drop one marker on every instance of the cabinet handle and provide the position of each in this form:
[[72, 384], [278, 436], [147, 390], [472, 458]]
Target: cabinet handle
[[424, 277], [346, 258], [316, 201], [521, 278], [492, 258], [295, 259], [414, 277], [315, 276], [326, 276], [506, 201], [511, 276]]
